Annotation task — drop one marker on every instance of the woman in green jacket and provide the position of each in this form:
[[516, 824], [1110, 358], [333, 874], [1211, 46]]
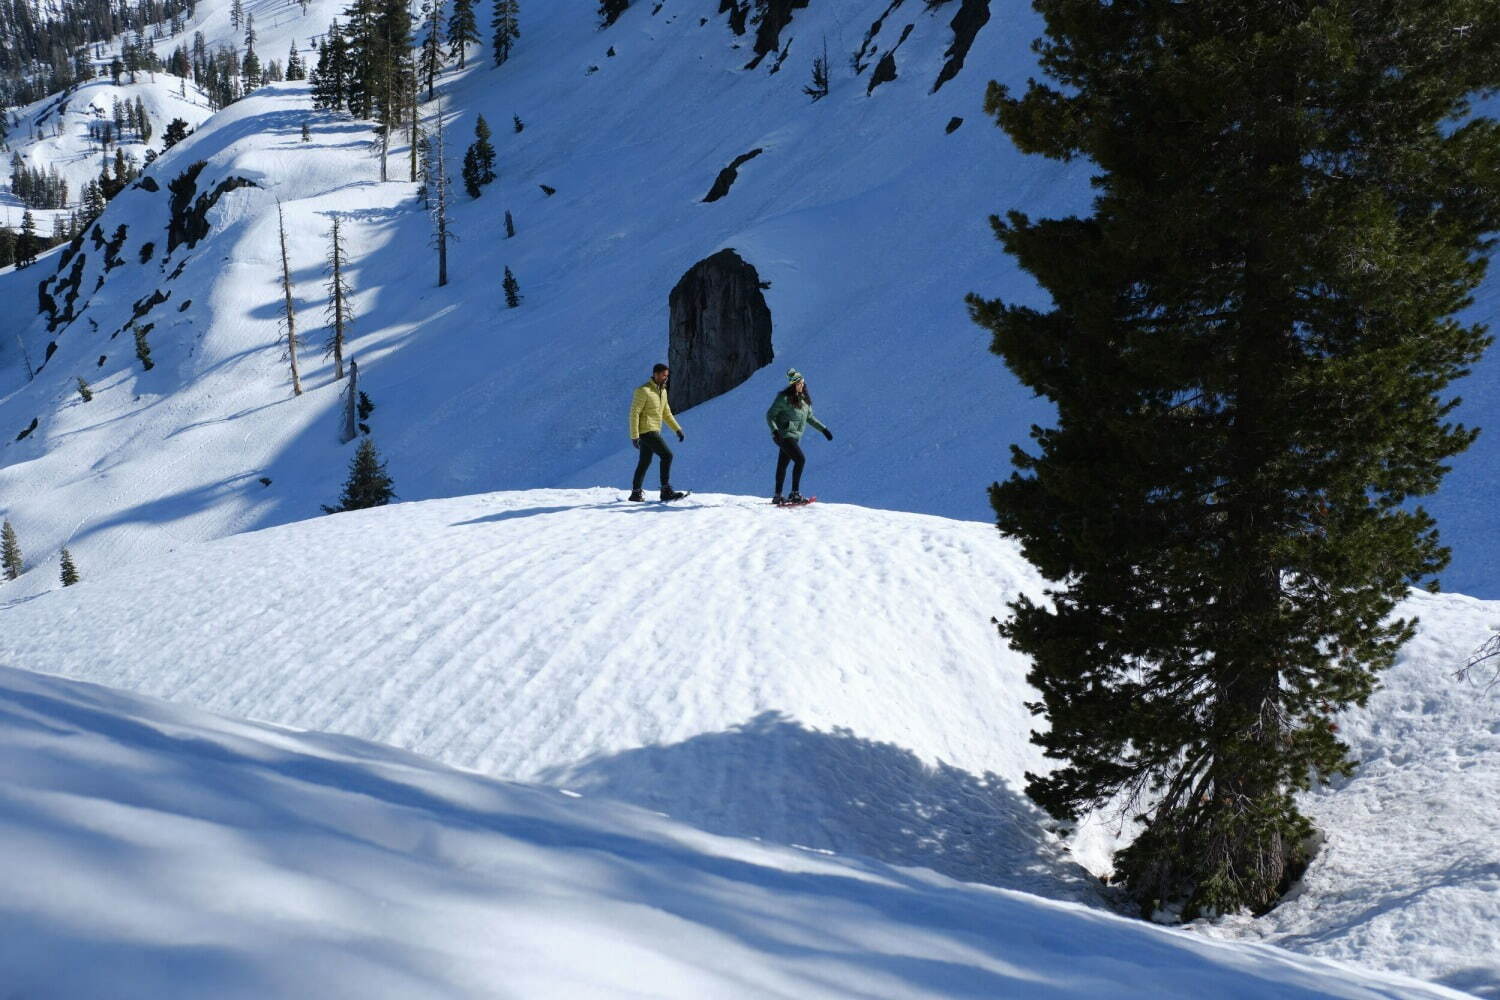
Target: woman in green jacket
[[789, 416]]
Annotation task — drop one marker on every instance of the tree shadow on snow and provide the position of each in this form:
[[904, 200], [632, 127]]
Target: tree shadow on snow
[[778, 780]]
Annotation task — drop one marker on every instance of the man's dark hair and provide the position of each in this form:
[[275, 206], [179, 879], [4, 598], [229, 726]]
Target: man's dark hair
[[659, 368]]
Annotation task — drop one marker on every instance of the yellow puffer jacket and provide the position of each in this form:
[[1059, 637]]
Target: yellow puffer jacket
[[648, 408]]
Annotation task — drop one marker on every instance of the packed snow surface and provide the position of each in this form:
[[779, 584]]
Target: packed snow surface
[[825, 677], [152, 851]]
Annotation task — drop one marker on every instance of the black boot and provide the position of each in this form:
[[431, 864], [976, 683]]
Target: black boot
[[636, 496], [668, 494]]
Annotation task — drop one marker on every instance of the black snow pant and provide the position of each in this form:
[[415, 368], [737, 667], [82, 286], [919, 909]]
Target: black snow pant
[[789, 451], [652, 444]]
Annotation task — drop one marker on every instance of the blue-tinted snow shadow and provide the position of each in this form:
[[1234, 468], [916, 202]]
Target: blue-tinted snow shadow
[[1002, 946], [836, 791]]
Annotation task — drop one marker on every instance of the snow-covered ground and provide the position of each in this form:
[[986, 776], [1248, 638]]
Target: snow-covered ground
[[824, 677], [867, 218], [152, 851]]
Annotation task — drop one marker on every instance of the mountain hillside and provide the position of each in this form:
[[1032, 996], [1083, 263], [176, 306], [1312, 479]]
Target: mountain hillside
[[863, 215], [824, 677], [58, 133]]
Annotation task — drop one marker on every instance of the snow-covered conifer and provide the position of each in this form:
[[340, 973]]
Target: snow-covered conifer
[[69, 569], [10, 552]]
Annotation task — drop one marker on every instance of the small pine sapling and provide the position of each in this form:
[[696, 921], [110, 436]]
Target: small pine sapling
[[69, 570], [512, 290], [84, 390], [517, 123], [510, 225], [368, 484]]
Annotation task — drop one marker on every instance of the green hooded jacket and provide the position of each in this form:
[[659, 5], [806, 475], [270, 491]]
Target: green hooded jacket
[[789, 421]]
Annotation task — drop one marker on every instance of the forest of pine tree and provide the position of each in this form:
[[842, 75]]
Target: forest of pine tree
[[1248, 348]]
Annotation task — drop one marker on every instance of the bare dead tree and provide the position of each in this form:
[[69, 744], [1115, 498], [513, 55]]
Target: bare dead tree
[[286, 291], [440, 185], [351, 398], [340, 314]]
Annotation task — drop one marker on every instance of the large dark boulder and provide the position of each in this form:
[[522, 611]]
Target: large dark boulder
[[720, 329]]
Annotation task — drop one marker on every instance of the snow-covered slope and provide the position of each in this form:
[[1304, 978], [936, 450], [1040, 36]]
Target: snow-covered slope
[[54, 133], [824, 677], [154, 851], [866, 217]]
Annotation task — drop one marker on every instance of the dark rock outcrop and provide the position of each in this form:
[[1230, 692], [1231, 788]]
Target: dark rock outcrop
[[885, 72], [728, 175], [720, 329], [971, 16], [777, 15], [953, 124], [189, 221]]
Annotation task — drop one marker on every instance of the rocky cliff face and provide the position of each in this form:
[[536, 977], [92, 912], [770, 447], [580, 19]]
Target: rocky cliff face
[[720, 329]]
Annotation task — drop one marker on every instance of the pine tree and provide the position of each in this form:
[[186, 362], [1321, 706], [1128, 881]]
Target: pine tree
[[295, 70], [479, 160], [512, 289], [510, 225], [176, 131], [818, 89], [507, 28], [10, 552], [517, 124], [1247, 348], [463, 30], [340, 313], [84, 391], [331, 77], [368, 484], [69, 570]]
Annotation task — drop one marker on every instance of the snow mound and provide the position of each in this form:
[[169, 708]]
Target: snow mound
[[151, 850], [827, 677]]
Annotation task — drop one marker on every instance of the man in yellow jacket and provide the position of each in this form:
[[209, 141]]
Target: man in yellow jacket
[[648, 408]]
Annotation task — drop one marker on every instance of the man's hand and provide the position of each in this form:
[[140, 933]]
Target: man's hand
[[679, 435], [635, 443]]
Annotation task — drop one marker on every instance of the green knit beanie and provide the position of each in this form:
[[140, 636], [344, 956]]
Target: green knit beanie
[[793, 376]]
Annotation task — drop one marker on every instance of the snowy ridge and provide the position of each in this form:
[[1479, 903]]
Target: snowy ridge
[[829, 679], [153, 850]]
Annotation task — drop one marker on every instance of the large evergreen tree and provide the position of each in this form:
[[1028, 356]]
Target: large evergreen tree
[[1248, 348]]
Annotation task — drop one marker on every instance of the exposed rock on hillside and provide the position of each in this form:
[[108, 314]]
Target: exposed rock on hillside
[[729, 174], [720, 329], [971, 16]]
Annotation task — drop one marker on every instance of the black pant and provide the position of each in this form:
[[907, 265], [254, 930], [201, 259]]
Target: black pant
[[652, 444], [789, 451]]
